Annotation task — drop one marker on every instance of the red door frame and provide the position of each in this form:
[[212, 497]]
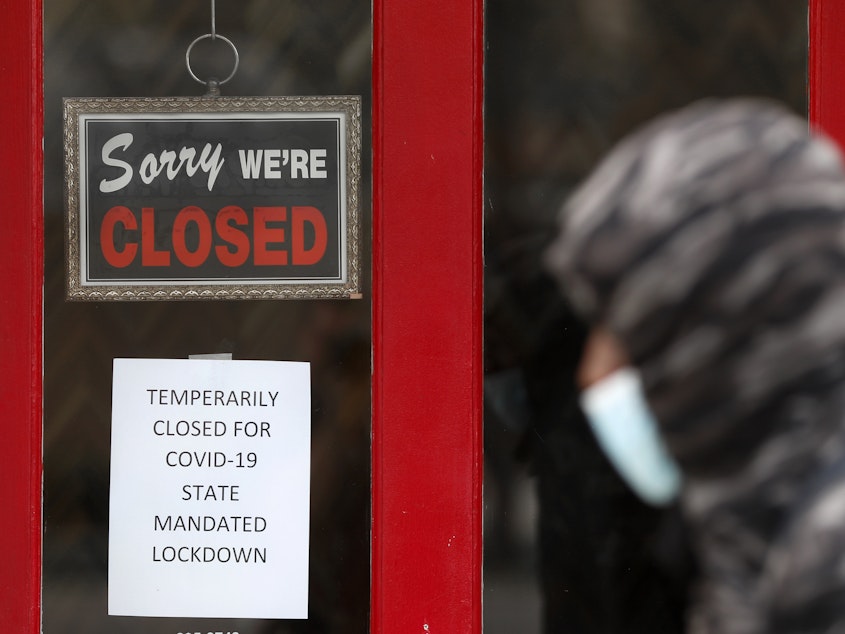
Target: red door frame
[[427, 381], [427, 307], [826, 73], [21, 181]]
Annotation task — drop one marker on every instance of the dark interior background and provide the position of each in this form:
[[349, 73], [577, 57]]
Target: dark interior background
[[567, 548]]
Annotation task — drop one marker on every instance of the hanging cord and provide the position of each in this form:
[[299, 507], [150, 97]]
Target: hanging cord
[[213, 20], [212, 83]]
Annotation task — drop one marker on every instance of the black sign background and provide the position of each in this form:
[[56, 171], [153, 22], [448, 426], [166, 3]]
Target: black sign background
[[168, 197]]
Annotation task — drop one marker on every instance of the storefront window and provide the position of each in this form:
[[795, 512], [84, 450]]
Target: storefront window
[[567, 547]]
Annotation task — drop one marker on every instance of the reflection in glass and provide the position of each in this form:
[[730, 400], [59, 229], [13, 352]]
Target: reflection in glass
[[567, 547]]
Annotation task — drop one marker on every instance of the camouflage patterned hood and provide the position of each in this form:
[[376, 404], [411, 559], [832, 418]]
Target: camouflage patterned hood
[[712, 243]]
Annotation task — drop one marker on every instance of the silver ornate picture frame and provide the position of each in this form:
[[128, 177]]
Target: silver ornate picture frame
[[213, 198]]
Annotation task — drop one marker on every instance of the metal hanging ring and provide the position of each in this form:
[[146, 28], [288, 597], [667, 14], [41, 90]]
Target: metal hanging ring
[[213, 36]]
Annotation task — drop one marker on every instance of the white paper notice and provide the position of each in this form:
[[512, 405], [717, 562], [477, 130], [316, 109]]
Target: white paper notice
[[210, 488]]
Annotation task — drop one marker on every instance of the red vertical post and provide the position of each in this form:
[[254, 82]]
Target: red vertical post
[[826, 81], [20, 314], [427, 307]]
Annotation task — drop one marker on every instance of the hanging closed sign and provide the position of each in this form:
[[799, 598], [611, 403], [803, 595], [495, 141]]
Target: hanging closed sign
[[203, 198]]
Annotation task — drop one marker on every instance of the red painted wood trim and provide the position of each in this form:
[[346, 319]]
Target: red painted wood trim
[[21, 275], [826, 81], [427, 305]]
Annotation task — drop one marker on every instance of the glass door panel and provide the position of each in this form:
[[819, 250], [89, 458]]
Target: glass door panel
[[137, 49], [567, 547]]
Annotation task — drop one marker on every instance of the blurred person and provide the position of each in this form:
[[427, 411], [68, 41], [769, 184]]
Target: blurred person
[[707, 253]]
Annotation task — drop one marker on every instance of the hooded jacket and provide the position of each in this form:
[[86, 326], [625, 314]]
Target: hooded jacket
[[711, 243]]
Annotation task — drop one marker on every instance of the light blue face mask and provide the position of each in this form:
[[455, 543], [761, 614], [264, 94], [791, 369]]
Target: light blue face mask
[[627, 432]]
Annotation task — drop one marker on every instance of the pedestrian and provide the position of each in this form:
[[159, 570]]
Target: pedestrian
[[707, 254]]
